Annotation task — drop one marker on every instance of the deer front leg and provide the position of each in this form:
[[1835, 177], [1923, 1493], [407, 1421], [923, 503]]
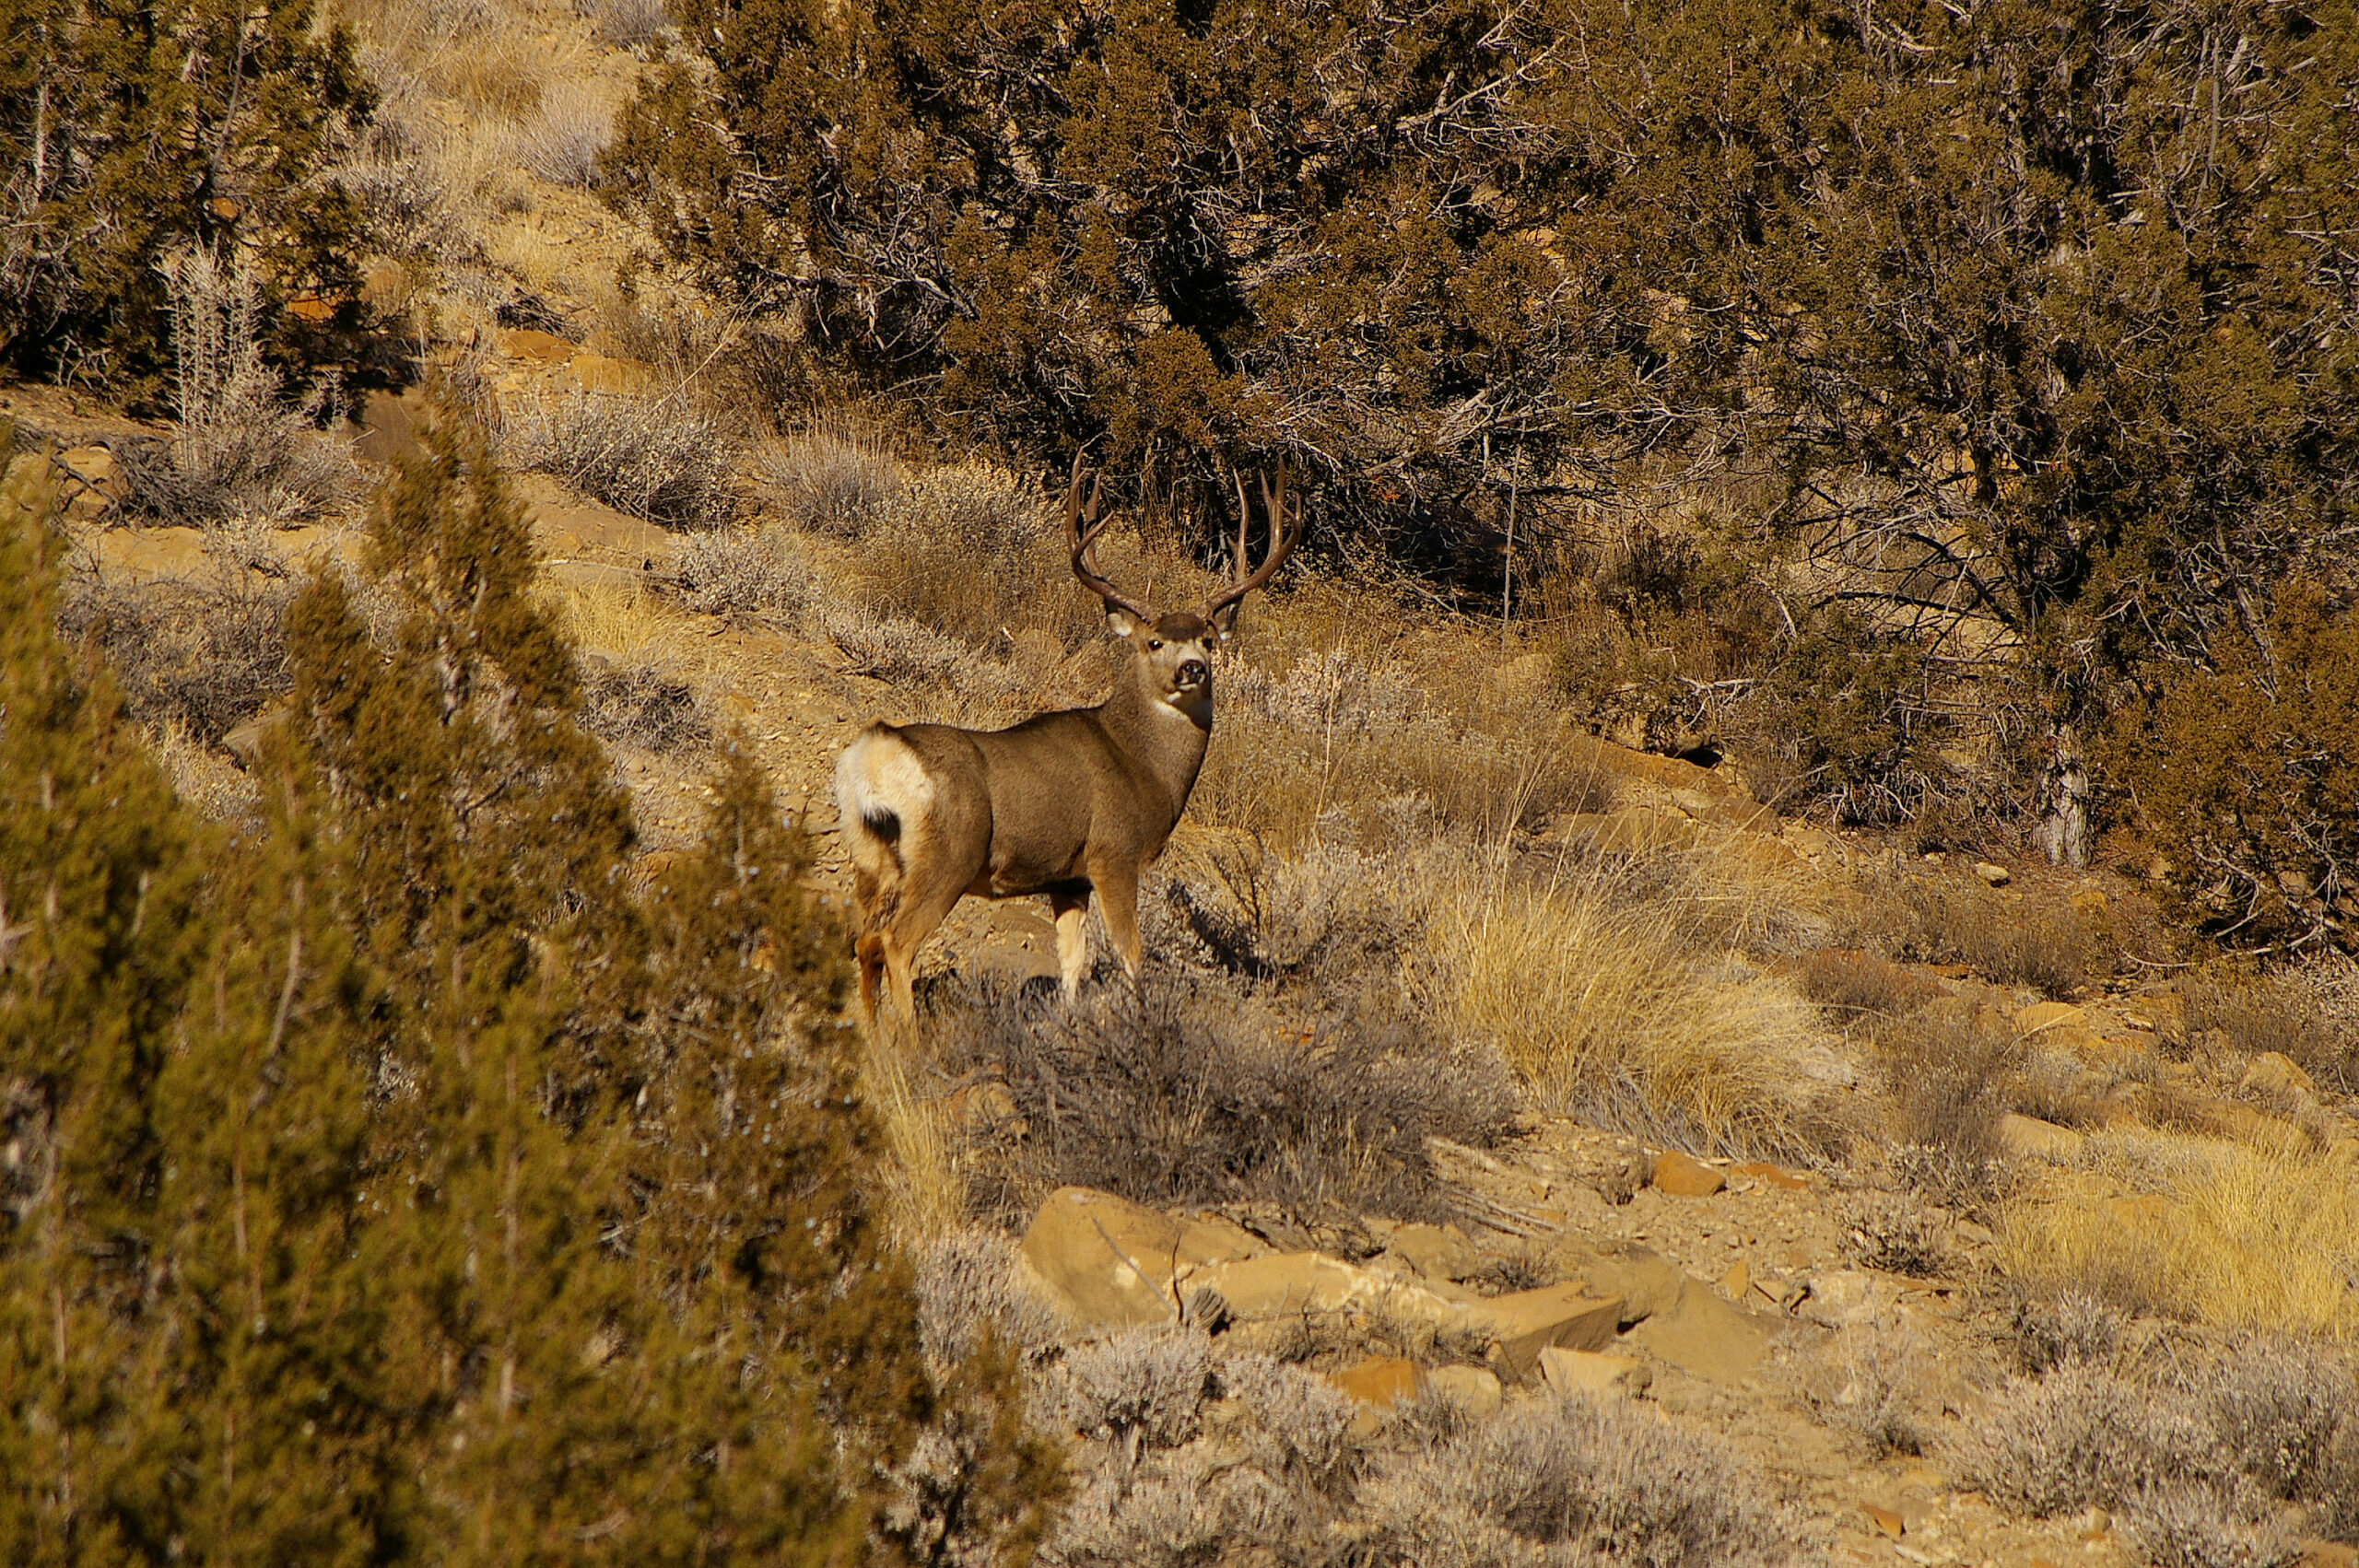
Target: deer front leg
[[1071, 907], [1117, 900]]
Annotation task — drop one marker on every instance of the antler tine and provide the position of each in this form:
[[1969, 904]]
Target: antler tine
[[1084, 544], [1285, 531]]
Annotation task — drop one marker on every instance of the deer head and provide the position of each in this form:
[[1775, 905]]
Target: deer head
[[1175, 647]]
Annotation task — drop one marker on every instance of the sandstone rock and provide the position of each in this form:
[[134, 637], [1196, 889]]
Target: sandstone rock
[[1437, 1252], [1380, 1380], [1840, 1298], [1684, 1177], [1673, 1316], [2030, 1138], [1997, 876], [2056, 1024], [526, 342], [1469, 1388], [607, 373], [2274, 1075], [1110, 1263], [1885, 1519], [93, 483], [1768, 1175], [1633, 831], [1593, 1372], [2089, 901], [1564, 1316]]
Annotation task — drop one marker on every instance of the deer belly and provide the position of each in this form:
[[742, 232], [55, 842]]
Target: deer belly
[[1019, 868]]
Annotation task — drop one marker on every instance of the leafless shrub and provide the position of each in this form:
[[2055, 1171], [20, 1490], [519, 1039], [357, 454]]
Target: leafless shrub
[[1144, 1389], [2082, 1436], [1950, 1081], [1185, 1093], [653, 456], [738, 571], [1576, 1481], [2287, 1416], [205, 777], [240, 452], [974, 552], [641, 706], [832, 479], [1868, 1383], [1896, 1233], [2200, 1525], [2073, 1329], [1331, 914], [2233, 1018], [627, 24], [202, 652], [971, 1282], [1300, 1430], [2040, 943], [563, 142], [1164, 1514]]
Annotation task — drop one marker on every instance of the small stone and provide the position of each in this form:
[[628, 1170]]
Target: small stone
[[1439, 1252], [2275, 1075], [1997, 876], [1885, 1520], [1471, 1388], [1380, 1380], [2089, 901], [1592, 1372], [1685, 1176], [1738, 1279]]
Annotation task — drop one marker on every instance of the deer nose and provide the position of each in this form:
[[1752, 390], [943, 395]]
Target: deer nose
[[1192, 673]]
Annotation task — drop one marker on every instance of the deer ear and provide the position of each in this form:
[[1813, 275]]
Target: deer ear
[[1119, 622], [1224, 621]]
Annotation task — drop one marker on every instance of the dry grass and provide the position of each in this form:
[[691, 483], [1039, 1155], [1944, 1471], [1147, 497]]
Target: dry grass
[[2209, 1232], [2041, 942], [1630, 1004], [2304, 1014], [624, 621], [923, 1181], [834, 478], [659, 458]]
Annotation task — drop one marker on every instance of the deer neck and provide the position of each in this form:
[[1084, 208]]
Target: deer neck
[[1167, 741]]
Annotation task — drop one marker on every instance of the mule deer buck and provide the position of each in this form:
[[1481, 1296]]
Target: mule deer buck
[[1065, 803]]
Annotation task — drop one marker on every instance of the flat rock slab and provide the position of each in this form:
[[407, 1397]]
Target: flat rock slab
[[1110, 1263], [1564, 1316]]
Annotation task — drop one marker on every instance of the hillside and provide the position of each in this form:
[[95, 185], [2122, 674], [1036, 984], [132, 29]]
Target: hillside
[[1599, 1092]]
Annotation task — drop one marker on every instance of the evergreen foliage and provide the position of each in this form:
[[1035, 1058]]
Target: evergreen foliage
[[2033, 313], [414, 1182], [129, 131]]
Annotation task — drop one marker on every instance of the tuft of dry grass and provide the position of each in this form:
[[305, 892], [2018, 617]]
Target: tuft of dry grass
[[2209, 1232], [1629, 1004], [835, 478], [922, 1177], [2041, 942]]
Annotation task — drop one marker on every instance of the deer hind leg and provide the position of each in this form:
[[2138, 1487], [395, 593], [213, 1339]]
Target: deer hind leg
[[1069, 905], [931, 887]]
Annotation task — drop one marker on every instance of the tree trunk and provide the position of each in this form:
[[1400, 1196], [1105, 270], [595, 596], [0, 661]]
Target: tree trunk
[[2063, 832]]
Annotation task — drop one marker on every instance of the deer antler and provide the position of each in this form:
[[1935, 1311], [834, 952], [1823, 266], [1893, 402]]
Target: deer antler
[[1285, 531], [1085, 558]]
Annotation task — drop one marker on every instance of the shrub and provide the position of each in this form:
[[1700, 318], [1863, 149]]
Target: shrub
[[832, 478], [738, 571], [1951, 1083], [627, 24], [129, 133], [2080, 1436], [2241, 767], [564, 140], [2194, 1526], [241, 452], [1573, 1479], [2073, 1329], [2233, 1018], [972, 1283], [1897, 1235], [1185, 1094], [1868, 1383], [653, 457], [204, 652], [639, 704], [1143, 1388]]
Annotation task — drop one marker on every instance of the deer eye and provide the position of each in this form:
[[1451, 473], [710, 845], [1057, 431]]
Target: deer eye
[[1154, 643]]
